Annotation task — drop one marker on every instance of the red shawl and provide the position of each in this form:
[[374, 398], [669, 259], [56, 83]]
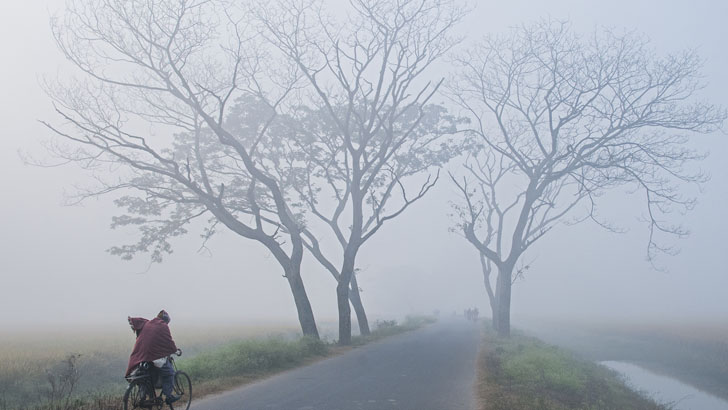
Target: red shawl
[[153, 342]]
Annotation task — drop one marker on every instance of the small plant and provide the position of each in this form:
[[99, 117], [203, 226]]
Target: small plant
[[63, 380], [386, 324]]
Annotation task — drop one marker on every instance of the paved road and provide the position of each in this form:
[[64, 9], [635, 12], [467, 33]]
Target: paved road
[[429, 369]]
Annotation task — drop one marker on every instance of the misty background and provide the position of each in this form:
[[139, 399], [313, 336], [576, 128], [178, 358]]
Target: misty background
[[55, 270]]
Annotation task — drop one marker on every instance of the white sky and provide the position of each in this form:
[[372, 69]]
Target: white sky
[[54, 268]]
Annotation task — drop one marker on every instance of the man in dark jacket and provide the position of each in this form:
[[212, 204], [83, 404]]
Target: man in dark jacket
[[154, 343]]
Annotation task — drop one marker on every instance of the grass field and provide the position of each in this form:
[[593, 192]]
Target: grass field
[[696, 354], [524, 373], [29, 359], [215, 358]]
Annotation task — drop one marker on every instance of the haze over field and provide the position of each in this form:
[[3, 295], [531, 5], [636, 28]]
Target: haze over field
[[55, 269]]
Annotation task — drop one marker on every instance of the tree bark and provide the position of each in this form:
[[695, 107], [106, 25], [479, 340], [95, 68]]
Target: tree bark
[[489, 290], [303, 306], [291, 265], [503, 300], [361, 315], [354, 296], [342, 296]]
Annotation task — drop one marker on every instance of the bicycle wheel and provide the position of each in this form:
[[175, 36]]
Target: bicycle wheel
[[183, 389], [134, 395]]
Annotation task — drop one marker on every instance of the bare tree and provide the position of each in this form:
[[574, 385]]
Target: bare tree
[[328, 170], [558, 120], [368, 95], [154, 69], [290, 164]]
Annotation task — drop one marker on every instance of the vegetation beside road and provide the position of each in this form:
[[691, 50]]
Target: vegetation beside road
[[522, 372], [386, 328], [215, 366], [695, 354], [239, 363]]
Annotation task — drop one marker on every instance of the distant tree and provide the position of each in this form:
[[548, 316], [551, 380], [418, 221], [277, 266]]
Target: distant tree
[[558, 119], [152, 70], [418, 145], [370, 122]]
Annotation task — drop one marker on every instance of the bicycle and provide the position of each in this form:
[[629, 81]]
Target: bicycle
[[142, 390]]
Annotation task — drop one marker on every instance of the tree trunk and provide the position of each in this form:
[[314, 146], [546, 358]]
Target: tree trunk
[[342, 296], [496, 303], [361, 315], [291, 265], [487, 269], [354, 296], [503, 300], [303, 306], [352, 248], [493, 308]]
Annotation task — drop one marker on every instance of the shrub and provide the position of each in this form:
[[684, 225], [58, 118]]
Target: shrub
[[252, 357]]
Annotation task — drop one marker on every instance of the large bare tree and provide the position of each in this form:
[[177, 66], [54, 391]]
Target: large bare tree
[[558, 119], [420, 146], [369, 99], [150, 115]]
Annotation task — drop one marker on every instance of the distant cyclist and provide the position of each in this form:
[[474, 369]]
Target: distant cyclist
[[154, 343]]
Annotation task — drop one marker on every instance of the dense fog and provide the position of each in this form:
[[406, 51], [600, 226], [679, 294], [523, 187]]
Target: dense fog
[[56, 272]]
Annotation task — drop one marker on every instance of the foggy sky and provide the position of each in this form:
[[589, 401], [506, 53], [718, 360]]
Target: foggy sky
[[54, 268]]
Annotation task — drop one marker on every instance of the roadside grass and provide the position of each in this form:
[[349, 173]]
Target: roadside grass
[[215, 366], [522, 372], [386, 328], [696, 354], [242, 362], [28, 359], [251, 357]]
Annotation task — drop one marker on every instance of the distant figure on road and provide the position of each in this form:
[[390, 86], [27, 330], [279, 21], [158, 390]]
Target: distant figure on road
[[154, 344], [471, 314]]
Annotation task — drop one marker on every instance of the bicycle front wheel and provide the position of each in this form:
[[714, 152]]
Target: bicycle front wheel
[[183, 389], [134, 395]]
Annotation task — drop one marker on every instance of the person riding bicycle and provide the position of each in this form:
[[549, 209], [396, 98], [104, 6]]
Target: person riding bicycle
[[154, 343]]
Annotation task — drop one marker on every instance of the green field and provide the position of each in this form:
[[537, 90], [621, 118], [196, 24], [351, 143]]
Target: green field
[[28, 360], [524, 373], [695, 353]]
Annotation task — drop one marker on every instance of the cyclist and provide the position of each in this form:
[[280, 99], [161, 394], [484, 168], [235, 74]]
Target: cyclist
[[154, 343]]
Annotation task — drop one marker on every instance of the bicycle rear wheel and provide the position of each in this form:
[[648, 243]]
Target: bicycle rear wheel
[[134, 396], [183, 389]]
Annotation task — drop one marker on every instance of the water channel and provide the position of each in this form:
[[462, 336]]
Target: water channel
[[667, 390]]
